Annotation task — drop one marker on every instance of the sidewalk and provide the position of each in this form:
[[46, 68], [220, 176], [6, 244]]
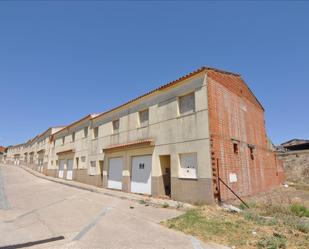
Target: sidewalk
[[157, 202]]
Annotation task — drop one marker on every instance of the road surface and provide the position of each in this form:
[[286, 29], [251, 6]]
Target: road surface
[[43, 214]]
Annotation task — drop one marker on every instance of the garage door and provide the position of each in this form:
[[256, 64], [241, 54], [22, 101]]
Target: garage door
[[70, 169], [141, 174], [61, 168], [115, 173]]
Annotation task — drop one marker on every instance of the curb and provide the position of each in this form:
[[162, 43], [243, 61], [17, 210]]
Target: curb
[[136, 198]]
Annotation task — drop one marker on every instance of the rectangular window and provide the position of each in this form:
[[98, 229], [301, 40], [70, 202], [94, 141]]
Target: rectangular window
[[83, 159], [116, 125], [143, 118], [92, 170], [186, 104], [73, 136], [86, 132], [188, 165], [235, 147], [251, 151], [95, 132], [63, 140]]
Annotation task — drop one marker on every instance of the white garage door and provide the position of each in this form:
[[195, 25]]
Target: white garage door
[[141, 175], [61, 168], [70, 169], [115, 173]]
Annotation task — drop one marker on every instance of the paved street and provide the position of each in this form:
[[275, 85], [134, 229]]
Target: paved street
[[34, 209]]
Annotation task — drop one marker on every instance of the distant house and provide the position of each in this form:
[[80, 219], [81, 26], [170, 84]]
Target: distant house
[[2, 152], [295, 144]]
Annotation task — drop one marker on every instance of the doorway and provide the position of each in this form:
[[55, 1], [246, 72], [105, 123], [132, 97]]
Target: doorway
[[101, 171], [165, 162]]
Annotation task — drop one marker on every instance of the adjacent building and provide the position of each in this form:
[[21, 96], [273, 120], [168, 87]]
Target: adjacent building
[[188, 139], [295, 156], [2, 154]]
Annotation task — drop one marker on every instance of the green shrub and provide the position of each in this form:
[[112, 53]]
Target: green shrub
[[299, 210], [275, 241], [260, 220], [242, 206]]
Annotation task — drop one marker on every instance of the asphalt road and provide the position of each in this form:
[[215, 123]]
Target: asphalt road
[[35, 211]]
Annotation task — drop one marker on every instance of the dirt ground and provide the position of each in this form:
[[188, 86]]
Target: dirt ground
[[276, 219]]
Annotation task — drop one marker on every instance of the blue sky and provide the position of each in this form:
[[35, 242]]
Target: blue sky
[[62, 60]]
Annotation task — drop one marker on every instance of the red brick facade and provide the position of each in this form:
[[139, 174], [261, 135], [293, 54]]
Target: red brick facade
[[239, 150]]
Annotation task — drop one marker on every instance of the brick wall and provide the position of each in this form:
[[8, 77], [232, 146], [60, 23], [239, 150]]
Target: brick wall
[[237, 117]]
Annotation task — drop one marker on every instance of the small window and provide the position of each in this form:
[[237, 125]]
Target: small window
[[116, 125], [251, 151], [186, 104], [143, 117], [92, 170], [188, 165], [73, 136], [95, 132], [83, 159], [235, 148], [86, 132]]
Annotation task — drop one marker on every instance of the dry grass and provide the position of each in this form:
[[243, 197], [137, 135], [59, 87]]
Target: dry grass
[[276, 219]]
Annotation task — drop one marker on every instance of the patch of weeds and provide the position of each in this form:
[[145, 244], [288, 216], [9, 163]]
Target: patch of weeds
[[165, 205], [142, 202], [297, 223], [242, 206], [275, 209], [269, 221], [299, 210], [131, 207], [251, 205], [209, 227], [198, 203], [275, 241], [302, 226], [301, 186]]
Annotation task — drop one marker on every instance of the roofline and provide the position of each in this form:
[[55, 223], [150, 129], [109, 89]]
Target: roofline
[[90, 116], [158, 89], [252, 93], [175, 82], [295, 139]]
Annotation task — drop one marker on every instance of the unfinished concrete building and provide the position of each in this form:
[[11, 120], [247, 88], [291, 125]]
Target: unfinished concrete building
[[193, 139]]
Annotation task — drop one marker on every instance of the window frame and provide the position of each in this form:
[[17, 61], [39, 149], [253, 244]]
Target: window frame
[[113, 125], [181, 175], [92, 168], [179, 99], [95, 132], [85, 132], [143, 124]]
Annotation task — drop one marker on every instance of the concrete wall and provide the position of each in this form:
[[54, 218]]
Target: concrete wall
[[171, 132], [296, 165]]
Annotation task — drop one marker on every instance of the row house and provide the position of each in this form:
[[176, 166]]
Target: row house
[[194, 139]]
